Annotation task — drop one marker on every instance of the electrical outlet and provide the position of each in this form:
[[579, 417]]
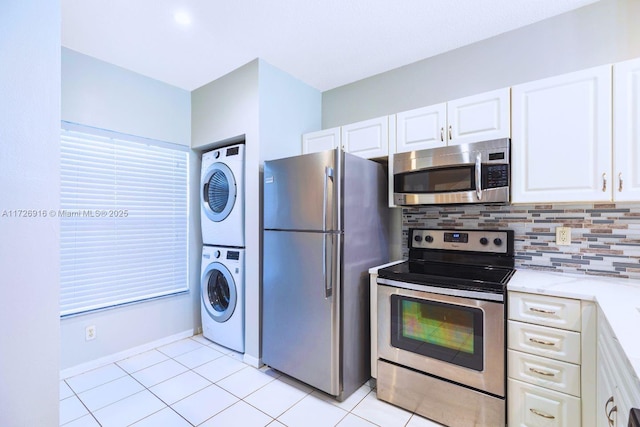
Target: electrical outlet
[[90, 333], [563, 236]]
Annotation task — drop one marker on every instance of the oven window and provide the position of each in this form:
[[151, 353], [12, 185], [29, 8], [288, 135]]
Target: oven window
[[447, 332], [443, 180]]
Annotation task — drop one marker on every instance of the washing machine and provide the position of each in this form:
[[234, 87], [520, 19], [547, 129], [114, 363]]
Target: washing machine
[[222, 196], [222, 296]]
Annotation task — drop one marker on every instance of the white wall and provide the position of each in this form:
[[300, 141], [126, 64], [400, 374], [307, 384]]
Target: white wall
[[603, 32], [269, 110], [99, 94], [29, 179], [226, 110], [288, 108]]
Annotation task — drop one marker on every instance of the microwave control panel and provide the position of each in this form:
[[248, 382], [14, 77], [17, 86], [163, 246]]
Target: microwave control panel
[[495, 176]]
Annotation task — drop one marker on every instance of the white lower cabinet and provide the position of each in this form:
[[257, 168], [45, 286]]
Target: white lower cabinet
[[533, 406], [550, 361], [544, 372], [618, 387]]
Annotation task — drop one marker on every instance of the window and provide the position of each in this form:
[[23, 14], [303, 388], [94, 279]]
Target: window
[[123, 219]]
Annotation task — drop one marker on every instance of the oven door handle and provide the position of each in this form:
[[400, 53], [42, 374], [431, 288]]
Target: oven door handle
[[479, 176], [442, 290]]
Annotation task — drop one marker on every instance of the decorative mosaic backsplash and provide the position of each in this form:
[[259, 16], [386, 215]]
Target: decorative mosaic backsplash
[[605, 238]]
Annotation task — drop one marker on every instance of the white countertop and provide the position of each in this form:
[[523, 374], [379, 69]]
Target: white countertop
[[618, 299], [374, 270]]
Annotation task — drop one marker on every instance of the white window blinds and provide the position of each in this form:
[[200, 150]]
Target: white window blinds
[[123, 219]]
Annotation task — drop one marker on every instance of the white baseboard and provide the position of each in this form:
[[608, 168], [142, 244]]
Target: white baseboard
[[252, 361], [84, 367]]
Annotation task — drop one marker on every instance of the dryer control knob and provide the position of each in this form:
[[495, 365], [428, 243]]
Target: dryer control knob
[[216, 154], [216, 254]]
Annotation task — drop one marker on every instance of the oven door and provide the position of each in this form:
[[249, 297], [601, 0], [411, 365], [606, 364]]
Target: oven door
[[456, 338]]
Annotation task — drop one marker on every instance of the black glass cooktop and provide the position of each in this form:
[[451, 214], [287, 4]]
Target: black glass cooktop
[[451, 275]]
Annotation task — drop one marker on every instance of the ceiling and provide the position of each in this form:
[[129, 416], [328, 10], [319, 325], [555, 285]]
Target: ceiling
[[325, 43]]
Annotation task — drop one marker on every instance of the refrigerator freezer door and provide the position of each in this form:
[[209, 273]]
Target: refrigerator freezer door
[[300, 324], [301, 193]]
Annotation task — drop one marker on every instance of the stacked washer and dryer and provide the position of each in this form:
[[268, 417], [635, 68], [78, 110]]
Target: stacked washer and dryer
[[222, 218]]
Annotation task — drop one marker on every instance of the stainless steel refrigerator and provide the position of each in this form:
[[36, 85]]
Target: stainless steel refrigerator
[[325, 224]]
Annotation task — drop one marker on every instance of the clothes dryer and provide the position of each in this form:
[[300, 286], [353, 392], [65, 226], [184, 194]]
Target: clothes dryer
[[222, 196], [222, 296]]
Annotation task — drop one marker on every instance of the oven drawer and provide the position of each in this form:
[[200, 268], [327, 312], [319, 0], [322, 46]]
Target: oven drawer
[[563, 313], [533, 406], [547, 342], [553, 374]]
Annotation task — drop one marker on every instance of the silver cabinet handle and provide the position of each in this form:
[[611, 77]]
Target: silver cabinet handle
[[620, 182], [609, 412], [442, 134], [610, 416], [450, 134], [604, 182], [540, 310], [542, 414], [478, 175], [546, 374], [537, 341]]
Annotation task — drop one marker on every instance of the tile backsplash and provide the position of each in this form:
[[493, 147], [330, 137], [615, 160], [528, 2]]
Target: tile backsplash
[[605, 238]]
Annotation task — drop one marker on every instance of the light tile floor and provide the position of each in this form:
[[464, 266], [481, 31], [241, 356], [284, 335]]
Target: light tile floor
[[194, 382]]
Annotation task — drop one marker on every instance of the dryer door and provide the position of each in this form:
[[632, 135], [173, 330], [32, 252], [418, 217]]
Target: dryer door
[[219, 293], [219, 191]]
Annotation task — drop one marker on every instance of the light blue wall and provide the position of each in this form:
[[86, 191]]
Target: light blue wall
[[102, 95], [29, 179]]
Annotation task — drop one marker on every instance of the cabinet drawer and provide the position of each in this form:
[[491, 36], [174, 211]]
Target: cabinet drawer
[[544, 372], [534, 406], [547, 342], [545, 310]]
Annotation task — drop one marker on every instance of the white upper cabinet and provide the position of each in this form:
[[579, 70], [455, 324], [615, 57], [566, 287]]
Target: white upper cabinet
[[626, 131], [368, 138], [479, 117], [561, 138], [421, 128], [321, 140], [474, 118]]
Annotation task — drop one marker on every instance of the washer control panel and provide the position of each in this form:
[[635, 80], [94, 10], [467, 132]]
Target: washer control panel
[[491, 241]]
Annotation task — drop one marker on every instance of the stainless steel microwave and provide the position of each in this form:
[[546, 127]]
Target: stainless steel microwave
[[467, 173]]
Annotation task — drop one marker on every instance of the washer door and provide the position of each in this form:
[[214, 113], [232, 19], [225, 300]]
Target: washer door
[[219, 293], [218, 192]]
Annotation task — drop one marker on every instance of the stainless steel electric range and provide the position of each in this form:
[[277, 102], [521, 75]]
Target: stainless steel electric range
[[442, 326]]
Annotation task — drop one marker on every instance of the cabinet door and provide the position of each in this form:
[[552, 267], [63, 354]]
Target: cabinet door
[[421, 128], [532, 406], [544, 372], [368, 139], [561, 138], [626, 130], [543, 341], [545, 310], [322, 140], [479, 117]]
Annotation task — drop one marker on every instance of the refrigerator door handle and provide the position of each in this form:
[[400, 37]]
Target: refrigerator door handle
[[328, 175], [327, 275]]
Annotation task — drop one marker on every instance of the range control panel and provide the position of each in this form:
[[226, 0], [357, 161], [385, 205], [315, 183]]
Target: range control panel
[[491, 241]]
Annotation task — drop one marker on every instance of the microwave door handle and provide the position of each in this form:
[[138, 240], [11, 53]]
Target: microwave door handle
[[479, 176]]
